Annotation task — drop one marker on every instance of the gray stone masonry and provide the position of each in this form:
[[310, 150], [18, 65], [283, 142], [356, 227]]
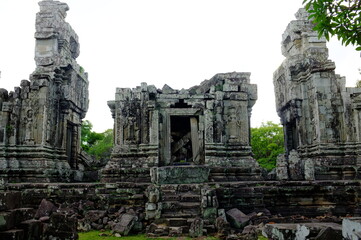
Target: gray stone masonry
[[206, 125], [320, 116], [40, 120]]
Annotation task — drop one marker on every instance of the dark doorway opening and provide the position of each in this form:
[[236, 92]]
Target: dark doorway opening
[[181, 140], [71, 136], [291, 136]]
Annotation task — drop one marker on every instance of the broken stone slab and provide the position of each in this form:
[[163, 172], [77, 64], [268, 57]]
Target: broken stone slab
[[125, 225], [46, 208], [237, 218], [329, 234], [351, 228], [298, 231]]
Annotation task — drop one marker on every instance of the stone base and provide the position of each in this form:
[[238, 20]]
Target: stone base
[[234, 174], [179, 174], [34, 164], [112, 175]]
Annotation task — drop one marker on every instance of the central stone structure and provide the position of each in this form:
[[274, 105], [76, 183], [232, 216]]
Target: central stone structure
[[207, 125]]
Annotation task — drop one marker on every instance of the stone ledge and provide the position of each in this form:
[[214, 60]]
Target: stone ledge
[[179, 174]]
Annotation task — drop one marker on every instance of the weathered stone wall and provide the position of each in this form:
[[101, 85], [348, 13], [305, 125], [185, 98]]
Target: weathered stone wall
[[319, 114], [286, 198], [205, 125], [40, 120]]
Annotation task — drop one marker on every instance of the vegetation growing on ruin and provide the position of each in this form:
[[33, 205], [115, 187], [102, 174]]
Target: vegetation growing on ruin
[[341, 18], [267, 143], [96, 144]]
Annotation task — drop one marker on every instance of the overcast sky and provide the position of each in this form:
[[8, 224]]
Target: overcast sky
[[174, 42]]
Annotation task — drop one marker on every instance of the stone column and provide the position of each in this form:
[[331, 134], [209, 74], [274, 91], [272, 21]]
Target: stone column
[[208, 122]]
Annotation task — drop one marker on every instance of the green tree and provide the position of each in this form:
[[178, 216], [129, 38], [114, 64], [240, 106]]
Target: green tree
[[102, 148], [337, 17], [88, 137], [267, 143]]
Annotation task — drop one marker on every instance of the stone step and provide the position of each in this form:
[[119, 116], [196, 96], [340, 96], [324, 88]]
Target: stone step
[[175, 231], [179, 222], [180, 188], [180, 214], [23, 214], [174, 205], [171, 197], [210, 228], [14, 217], [15, 234], [7, 220], [183, 197], [32, 229], [190, 205], [189, 197], [10, 200]]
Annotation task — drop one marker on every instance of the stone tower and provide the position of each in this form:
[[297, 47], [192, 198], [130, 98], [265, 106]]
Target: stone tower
[[203, 131], [40, 120], [320, 116]]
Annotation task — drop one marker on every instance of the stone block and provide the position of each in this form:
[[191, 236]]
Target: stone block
[[329, 234], [16, 234], [237, 218], [301, 231], [179, 174], [196, 228], [10, 200], [46, 208], [94, 215], [351, 228], [7, 220], [32, 229], [125, 225], [22, 214]]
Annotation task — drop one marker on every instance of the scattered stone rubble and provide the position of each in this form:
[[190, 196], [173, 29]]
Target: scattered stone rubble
[[182, 162]]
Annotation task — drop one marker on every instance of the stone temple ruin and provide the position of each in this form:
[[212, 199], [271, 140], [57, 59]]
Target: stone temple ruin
[[40, 120], [320, 116], [205, 131], [182, 160]]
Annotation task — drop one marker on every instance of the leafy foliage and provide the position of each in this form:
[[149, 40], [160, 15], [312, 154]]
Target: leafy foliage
[[96, 144], [103, 147], [337, 17], [88, 137], [267, 143]]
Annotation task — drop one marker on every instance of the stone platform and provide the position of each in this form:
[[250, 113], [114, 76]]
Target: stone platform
[[179, 174]]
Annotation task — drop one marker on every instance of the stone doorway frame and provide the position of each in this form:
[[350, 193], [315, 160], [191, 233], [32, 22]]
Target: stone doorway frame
[[165, 134]]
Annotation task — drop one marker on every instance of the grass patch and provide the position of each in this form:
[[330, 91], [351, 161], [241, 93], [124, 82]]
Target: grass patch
[[94, 235]]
